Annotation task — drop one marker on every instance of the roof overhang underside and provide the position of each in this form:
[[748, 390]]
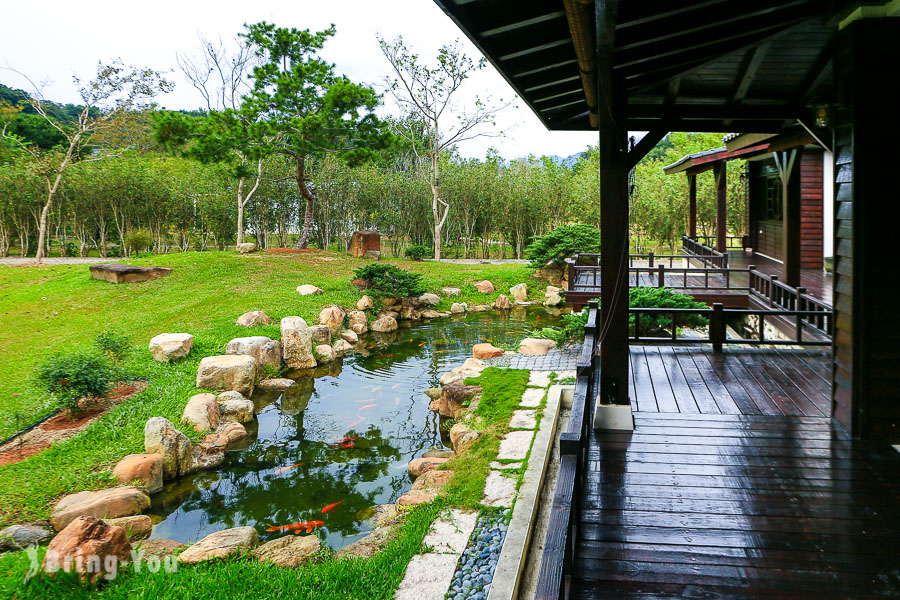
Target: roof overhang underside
[[693, 65]]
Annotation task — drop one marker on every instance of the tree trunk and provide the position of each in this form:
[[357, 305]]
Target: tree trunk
[[306, 233], [42, 228]]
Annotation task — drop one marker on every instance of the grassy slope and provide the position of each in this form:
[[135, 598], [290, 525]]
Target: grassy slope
[[50, 309]]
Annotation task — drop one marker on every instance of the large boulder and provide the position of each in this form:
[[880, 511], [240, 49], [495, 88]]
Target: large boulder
[[341, 347], [457, 397], [462, 437], [363, 242], [137, 527], [102, 504], [221, 544], [167, 347], [159, 548], [434, 314], [483, 351], [296, 344], [145, 468], [86, 537], [536, 346], [235, 407], [324, 353], [17, 537], [385, 325], [433, 481], [414, 497], [266, 351], [485, 286], [358, 322], [422, 465], [161, 437], [458, 308], [502, 302], [519, 292], [333, 317], [320, 334], [276, 384], [202, 413], [119, 273], [429, 299], [451, 291], [351, 337], [433, 393], [471, 368], [365, 303], [288, 551], [408, 313], [254, 318], [554, 300], [245, 248], [309, 290], [227, 372]]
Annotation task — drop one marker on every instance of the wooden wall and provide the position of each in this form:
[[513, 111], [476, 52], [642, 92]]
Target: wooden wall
[[811, 210]]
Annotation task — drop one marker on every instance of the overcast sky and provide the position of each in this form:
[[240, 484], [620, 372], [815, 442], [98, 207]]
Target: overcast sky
[[52, 41]]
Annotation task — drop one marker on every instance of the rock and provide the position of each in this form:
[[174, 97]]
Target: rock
[[385, 325], [392, 302], [434, 405], [485, 287], [254, 318], [433, 481], [341, 347], [499, 490], [161, 437], [457, 398], [364, 241], [471, 368], [266, 351], [333, 317], [552, 273], [502, 303], [414, 497], [422, 465], [535, 346], [324, 353], [221, 544], [388, 313], [408, 313], [167, 347], [309, 290], [296, 340], [235, 407], [275, 384], [84, 537], [458, 308], [349, 336], [519, 292], [554, 300], [202, 413], [385, 514], [448, 454], [232, 432], [477, 308], [433, 393], [16, 537], [320, 334], [486, 351], [373, 254], [358, 322], [136, 527], [159, 548], [245, 248], [429, 299], [145, 468], [365, 303], [434, 314], [462, 437], [552, 290], [288, 551], [368, 546], [227, 372], [119, 273], [361, 283], [451, 291], [102, 504]]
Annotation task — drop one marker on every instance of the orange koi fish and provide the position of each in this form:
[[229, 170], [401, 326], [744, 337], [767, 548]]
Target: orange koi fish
[[283, 469], [397, 401], [299, 526], [346, 445], [395, 386], [439, 351], [331, 507], [368, 406], [422, 344], [484, 339], [384, 356], [367, 400]]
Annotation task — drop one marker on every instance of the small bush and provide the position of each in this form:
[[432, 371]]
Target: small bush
[[555, 247], [70, 377], [388, 281], [115, 345], [138, 241], [418, 252]]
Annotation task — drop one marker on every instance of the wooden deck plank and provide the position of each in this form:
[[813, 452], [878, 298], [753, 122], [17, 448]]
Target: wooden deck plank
[[644, 394], [665, 397], [697, 383], [720, 392], [684, 397]]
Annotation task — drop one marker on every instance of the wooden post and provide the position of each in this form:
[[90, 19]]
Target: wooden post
[[661, 281], [613, 153], [772, 287], [786, 163], [651, 258], [692, 211], [717, 326], [720, 171]]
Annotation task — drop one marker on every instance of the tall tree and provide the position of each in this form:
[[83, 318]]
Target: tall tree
[[117, 90], [427, 94], [305, 107]]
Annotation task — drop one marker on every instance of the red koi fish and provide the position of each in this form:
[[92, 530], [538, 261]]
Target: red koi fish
[[346, 445], [331, 507], [283, 469], [384, 356], [299, 526], [368, 406]]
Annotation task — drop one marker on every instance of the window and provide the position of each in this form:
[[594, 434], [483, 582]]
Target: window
[[773, 200]]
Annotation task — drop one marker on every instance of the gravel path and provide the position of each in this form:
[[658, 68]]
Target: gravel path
[[27, 261], [472, 580]]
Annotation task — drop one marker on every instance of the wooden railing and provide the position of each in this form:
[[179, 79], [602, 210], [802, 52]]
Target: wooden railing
[[703, 253], [776, 294], [557, 562], [586, 278], [732, 242]]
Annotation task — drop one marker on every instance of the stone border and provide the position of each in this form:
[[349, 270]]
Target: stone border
[[513, 555]]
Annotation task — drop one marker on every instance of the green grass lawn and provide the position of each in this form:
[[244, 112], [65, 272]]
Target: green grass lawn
[[52, 309]]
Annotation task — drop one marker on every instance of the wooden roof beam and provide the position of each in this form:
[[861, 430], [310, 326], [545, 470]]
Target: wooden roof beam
[[749, 66], [579, 14], [524, 23]]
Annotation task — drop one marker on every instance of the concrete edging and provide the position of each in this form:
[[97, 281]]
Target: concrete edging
[[507, 575]]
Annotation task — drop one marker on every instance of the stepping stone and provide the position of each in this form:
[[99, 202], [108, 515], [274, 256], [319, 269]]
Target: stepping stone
[[503, 466], [515, 445], [539, 378], [428, 576], [523, 419], [450, 532], [499, 490], [119, 273], [569, 374], [532, 397]]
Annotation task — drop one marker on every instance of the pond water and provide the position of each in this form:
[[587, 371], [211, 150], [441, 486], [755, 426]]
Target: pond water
[[344, 434]]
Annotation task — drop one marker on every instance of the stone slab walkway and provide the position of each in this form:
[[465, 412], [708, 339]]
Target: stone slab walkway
[[428, 575], [563, 359]]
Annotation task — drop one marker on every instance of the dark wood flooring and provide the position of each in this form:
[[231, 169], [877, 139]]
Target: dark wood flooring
[[716, 506]]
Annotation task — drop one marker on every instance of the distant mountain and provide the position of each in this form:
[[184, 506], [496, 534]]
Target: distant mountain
[[568, 161]]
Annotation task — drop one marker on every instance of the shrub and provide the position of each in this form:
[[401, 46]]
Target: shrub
[[138, 241], [388, 281], [418, 252], [555, 247], [81, 374], [115, 345]]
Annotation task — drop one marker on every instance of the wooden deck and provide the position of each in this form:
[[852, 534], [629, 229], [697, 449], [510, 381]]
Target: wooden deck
[[818, 282]]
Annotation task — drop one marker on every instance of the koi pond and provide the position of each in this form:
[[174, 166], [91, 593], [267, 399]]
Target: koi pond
[[340, 439]]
